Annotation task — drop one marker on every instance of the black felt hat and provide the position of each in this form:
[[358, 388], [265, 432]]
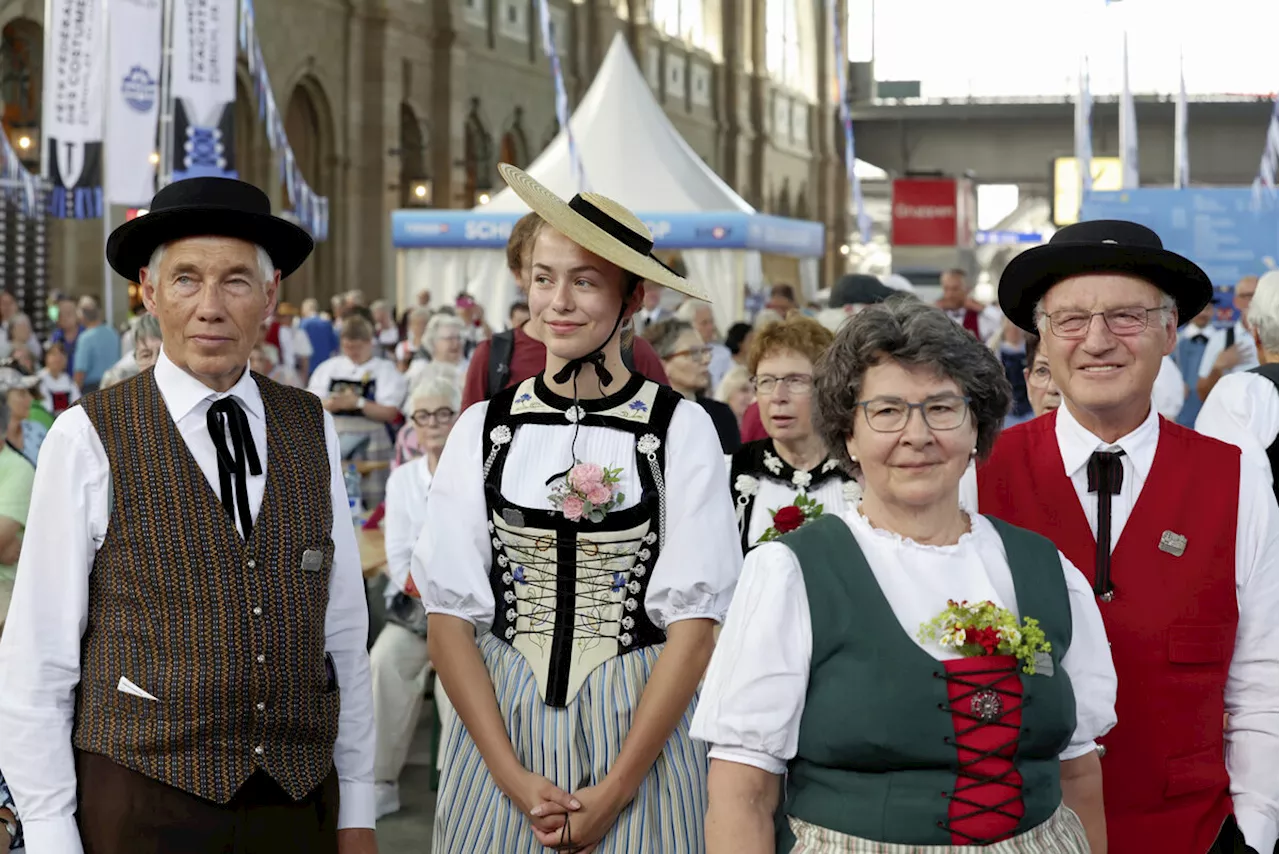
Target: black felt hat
[[858, 289], [198, 207], [1101, 246]]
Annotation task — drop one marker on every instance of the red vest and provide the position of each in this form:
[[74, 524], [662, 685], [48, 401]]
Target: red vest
[[970, 322], [1172, 624]]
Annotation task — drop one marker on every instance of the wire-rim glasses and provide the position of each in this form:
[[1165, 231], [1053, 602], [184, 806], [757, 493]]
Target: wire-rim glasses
[[424, 417], [891, 414], [1129, 320], [798, 385]]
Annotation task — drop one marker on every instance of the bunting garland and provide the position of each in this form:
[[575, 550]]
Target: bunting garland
[[17, 184], [310, 209]]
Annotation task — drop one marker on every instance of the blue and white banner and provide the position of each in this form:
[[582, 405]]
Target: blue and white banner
[[133, 100], [1084, 130], [74, 65], [552, 50], [842, 94], [1128, 128], [310, 209], [1271, 151], [203, 85], [442, 229], [17, 184]]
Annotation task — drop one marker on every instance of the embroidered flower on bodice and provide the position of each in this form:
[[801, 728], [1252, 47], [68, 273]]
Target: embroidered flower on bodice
[[852, 492], [829, 465], [801, 479], [619, 582], [638, 406], [746, 485], [518, 575], [524, 398]]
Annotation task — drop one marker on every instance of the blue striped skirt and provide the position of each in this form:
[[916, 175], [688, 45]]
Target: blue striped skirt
[[574, 747]]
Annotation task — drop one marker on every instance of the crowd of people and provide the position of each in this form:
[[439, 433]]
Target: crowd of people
[[866, 574]]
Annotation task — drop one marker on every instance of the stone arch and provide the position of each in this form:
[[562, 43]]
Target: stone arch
[[21, 70], [414, 165], [308, 123]]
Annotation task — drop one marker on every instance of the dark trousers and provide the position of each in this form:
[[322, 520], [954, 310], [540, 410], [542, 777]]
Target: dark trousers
[[1230, 840], [123, 812]]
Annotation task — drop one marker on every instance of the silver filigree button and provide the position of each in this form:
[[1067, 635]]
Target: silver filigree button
[[503, 561], [497, 543], [492, 527], [648, 443], [511, 614], [650, 538], [986, 706], [500, 435], [507, 578], [258, 750], [643, 554], [624, 639], [628, 623], [630, 604], [574, 414], [508, 597], [633, 587], [510, 632], [639, 571]]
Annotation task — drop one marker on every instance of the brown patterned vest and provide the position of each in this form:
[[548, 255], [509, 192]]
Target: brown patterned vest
[[229, 635]]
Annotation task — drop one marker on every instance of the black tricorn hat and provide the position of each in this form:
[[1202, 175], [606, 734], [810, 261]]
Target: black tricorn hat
[[1101, 246], [197, 207]]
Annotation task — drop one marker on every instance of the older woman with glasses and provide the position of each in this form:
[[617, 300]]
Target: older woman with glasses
[[923, 677], [790, 468], [399, 656], [1042, 391], [687, 359]]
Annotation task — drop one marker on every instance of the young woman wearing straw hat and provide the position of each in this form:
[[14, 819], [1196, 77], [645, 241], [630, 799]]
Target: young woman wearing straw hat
[[579, 548]]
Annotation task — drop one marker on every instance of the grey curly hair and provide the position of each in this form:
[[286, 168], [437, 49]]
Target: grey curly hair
[[910, 333]]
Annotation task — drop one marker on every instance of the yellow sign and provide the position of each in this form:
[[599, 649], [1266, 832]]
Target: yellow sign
[[1107, 175]]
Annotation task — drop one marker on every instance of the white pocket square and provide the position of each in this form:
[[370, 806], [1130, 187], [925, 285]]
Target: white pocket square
[[127, 687]]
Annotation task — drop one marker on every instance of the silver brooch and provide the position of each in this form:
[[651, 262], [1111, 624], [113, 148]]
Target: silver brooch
[[574, 414], [500, 435], [648, 443], [986, 706]]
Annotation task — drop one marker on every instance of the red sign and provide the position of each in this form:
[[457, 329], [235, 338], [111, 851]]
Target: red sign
[[925, 212]]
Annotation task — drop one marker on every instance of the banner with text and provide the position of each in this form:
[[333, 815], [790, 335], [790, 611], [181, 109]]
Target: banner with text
[[204, 88], [74, 65], [133, 103]]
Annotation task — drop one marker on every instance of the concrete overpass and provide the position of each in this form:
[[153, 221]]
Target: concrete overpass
[[1016, 142]]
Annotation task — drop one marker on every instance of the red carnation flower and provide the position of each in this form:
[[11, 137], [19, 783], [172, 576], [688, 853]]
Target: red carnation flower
[[989, 639], [788, 519]]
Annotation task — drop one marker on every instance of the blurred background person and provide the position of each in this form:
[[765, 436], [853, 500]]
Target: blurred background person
[[386, 331], [445, 341], [651, 308], [17, 475], [685, 359], [57, 389], [738, 341], [958, 303], [319, 331], [1188, 354], [146, 349], [23, 341], [399, 656], [518, 314], [1010, 348], [735, 391], [1042, 391], [698, 314], [1230, 349], [97, 348], [413, 348], [68, 328]]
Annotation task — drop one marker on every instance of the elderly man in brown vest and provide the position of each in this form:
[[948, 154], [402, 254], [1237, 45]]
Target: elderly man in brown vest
[[184, 665]]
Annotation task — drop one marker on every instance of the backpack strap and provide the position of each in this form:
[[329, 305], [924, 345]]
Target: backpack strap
[[1271, 371], [501, 347]]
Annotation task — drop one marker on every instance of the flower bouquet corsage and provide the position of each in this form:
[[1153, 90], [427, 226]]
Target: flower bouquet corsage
[[786, 519], [985, 628], [588, 492]]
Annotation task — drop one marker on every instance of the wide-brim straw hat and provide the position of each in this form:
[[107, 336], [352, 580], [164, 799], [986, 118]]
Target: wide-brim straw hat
[[602, 227]]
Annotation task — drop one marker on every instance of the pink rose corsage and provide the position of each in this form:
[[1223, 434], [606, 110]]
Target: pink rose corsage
[[588, 492]]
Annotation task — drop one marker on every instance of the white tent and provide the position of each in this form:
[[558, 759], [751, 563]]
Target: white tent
[[632, 153]]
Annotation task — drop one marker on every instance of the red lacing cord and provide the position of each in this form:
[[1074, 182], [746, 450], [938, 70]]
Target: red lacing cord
[[978, 779]]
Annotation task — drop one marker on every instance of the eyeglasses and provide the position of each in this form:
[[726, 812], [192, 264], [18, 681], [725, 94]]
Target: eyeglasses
[[1040, 376], [1130, 320], [423, 417], [799, 385], [891, 414], [698, 354]]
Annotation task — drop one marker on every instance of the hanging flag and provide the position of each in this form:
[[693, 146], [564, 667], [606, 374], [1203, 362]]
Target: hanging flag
[[203, 86], [1128, 127], [1084, 130], [74, 66], [562, 96], [1181, 164], [1271, 152], [133, 102], [842, 94]]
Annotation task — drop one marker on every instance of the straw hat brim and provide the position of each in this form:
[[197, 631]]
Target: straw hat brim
[[591, 237]]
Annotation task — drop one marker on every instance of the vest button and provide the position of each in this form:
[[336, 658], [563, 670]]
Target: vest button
[[258, 750], [261, 658], [261, 706], [251, 563], [257, 612]]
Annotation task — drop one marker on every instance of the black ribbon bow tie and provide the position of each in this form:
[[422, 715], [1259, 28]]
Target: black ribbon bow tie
[[227, 417], [1106, 474], [575, 366]]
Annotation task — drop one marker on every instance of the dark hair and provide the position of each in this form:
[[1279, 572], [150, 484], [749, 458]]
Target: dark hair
[[736, 335], [908, 332], [356, 328], [518, 305], [1032, 343], [783, 291]]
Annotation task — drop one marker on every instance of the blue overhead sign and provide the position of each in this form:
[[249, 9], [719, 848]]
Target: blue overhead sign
[[1229, 232], [440, 229], [1007, 238]]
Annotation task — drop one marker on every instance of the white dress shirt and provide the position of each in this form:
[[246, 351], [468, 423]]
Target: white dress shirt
[[406, 502], [1169, 392], [1253, 678], [390, 388], [40, 649], [1243, 409], [1218, 342], [696, 571], [755, 688]]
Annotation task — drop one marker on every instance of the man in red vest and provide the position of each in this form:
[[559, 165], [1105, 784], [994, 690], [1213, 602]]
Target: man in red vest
[[957, 301], [1179, 541]]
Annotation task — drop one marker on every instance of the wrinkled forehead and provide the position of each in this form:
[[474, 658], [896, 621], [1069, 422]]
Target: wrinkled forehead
[[211, 251], [1101, 291]]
